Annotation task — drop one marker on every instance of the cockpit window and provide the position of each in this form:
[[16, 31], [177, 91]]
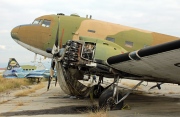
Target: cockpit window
[[37, 21], [46, 23]]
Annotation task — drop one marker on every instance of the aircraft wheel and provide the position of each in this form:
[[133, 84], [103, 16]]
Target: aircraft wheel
[[96, 92], [106, 100]]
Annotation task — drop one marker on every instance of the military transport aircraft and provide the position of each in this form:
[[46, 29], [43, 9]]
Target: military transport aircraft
[[83, 46]]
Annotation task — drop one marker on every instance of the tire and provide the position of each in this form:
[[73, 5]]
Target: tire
[[97, 94], [106, 100]]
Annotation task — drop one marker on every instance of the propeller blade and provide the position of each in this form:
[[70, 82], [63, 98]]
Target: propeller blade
[[55, 80], [51, 73], [54, 51], [57, 35], [62, 34], [56, 44], [49, 82], [52, 66]]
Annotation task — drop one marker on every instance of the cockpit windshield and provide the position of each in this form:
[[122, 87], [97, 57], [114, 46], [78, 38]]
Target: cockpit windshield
[[46, 23], [37, 21], [43, 23]]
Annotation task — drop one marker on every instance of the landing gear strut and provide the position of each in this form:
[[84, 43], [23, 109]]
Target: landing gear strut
[[111, 98]]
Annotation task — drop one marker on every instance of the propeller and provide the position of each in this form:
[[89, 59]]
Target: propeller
[[54, 51], [66, 53]]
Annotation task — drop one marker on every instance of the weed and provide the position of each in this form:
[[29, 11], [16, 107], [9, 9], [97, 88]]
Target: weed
[[171, 92], [20, 103], [4, 101], [26, 92], [12, 83], [98, 113]]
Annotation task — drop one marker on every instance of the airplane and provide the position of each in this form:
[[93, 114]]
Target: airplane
[[14, 70], [82, 46]]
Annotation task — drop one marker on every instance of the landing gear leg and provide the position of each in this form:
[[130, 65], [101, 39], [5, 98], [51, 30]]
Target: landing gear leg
[[110, 96], [125, 96], [112, 99]]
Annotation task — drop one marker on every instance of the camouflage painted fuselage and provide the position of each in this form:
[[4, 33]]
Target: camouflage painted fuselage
[[72, 27]]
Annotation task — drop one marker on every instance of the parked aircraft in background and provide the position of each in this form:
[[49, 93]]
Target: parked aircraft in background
[[82, 46], [14, 70], [13, 67]]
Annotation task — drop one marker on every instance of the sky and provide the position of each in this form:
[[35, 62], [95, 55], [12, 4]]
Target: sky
[[161, 16]]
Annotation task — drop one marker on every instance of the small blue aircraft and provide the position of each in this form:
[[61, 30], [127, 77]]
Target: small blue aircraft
[[14, 70]]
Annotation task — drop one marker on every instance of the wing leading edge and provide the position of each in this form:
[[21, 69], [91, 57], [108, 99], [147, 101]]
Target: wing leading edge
[[160, 63]]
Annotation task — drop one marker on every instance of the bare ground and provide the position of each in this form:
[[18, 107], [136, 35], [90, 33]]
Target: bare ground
[[55, 103]]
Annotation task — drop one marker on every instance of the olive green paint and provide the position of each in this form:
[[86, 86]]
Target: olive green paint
[[139, 39], [70, 24], [53, 32]]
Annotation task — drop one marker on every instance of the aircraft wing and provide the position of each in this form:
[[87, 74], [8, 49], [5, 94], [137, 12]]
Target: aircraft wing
[[36, 74], [160, 63]]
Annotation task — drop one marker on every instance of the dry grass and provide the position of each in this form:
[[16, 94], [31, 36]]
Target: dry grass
[[26, 92], [20, 103], [7, 84], [4, 101], [100, 113], [156, 93], [171, 92]]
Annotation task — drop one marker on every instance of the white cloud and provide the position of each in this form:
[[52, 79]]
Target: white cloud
[[2, 47], [4, 31]]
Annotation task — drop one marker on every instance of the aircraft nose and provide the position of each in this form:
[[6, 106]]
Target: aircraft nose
[[14, 33]]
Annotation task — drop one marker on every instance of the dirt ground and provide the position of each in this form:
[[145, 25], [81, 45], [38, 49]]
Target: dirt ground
[[143, 103]]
